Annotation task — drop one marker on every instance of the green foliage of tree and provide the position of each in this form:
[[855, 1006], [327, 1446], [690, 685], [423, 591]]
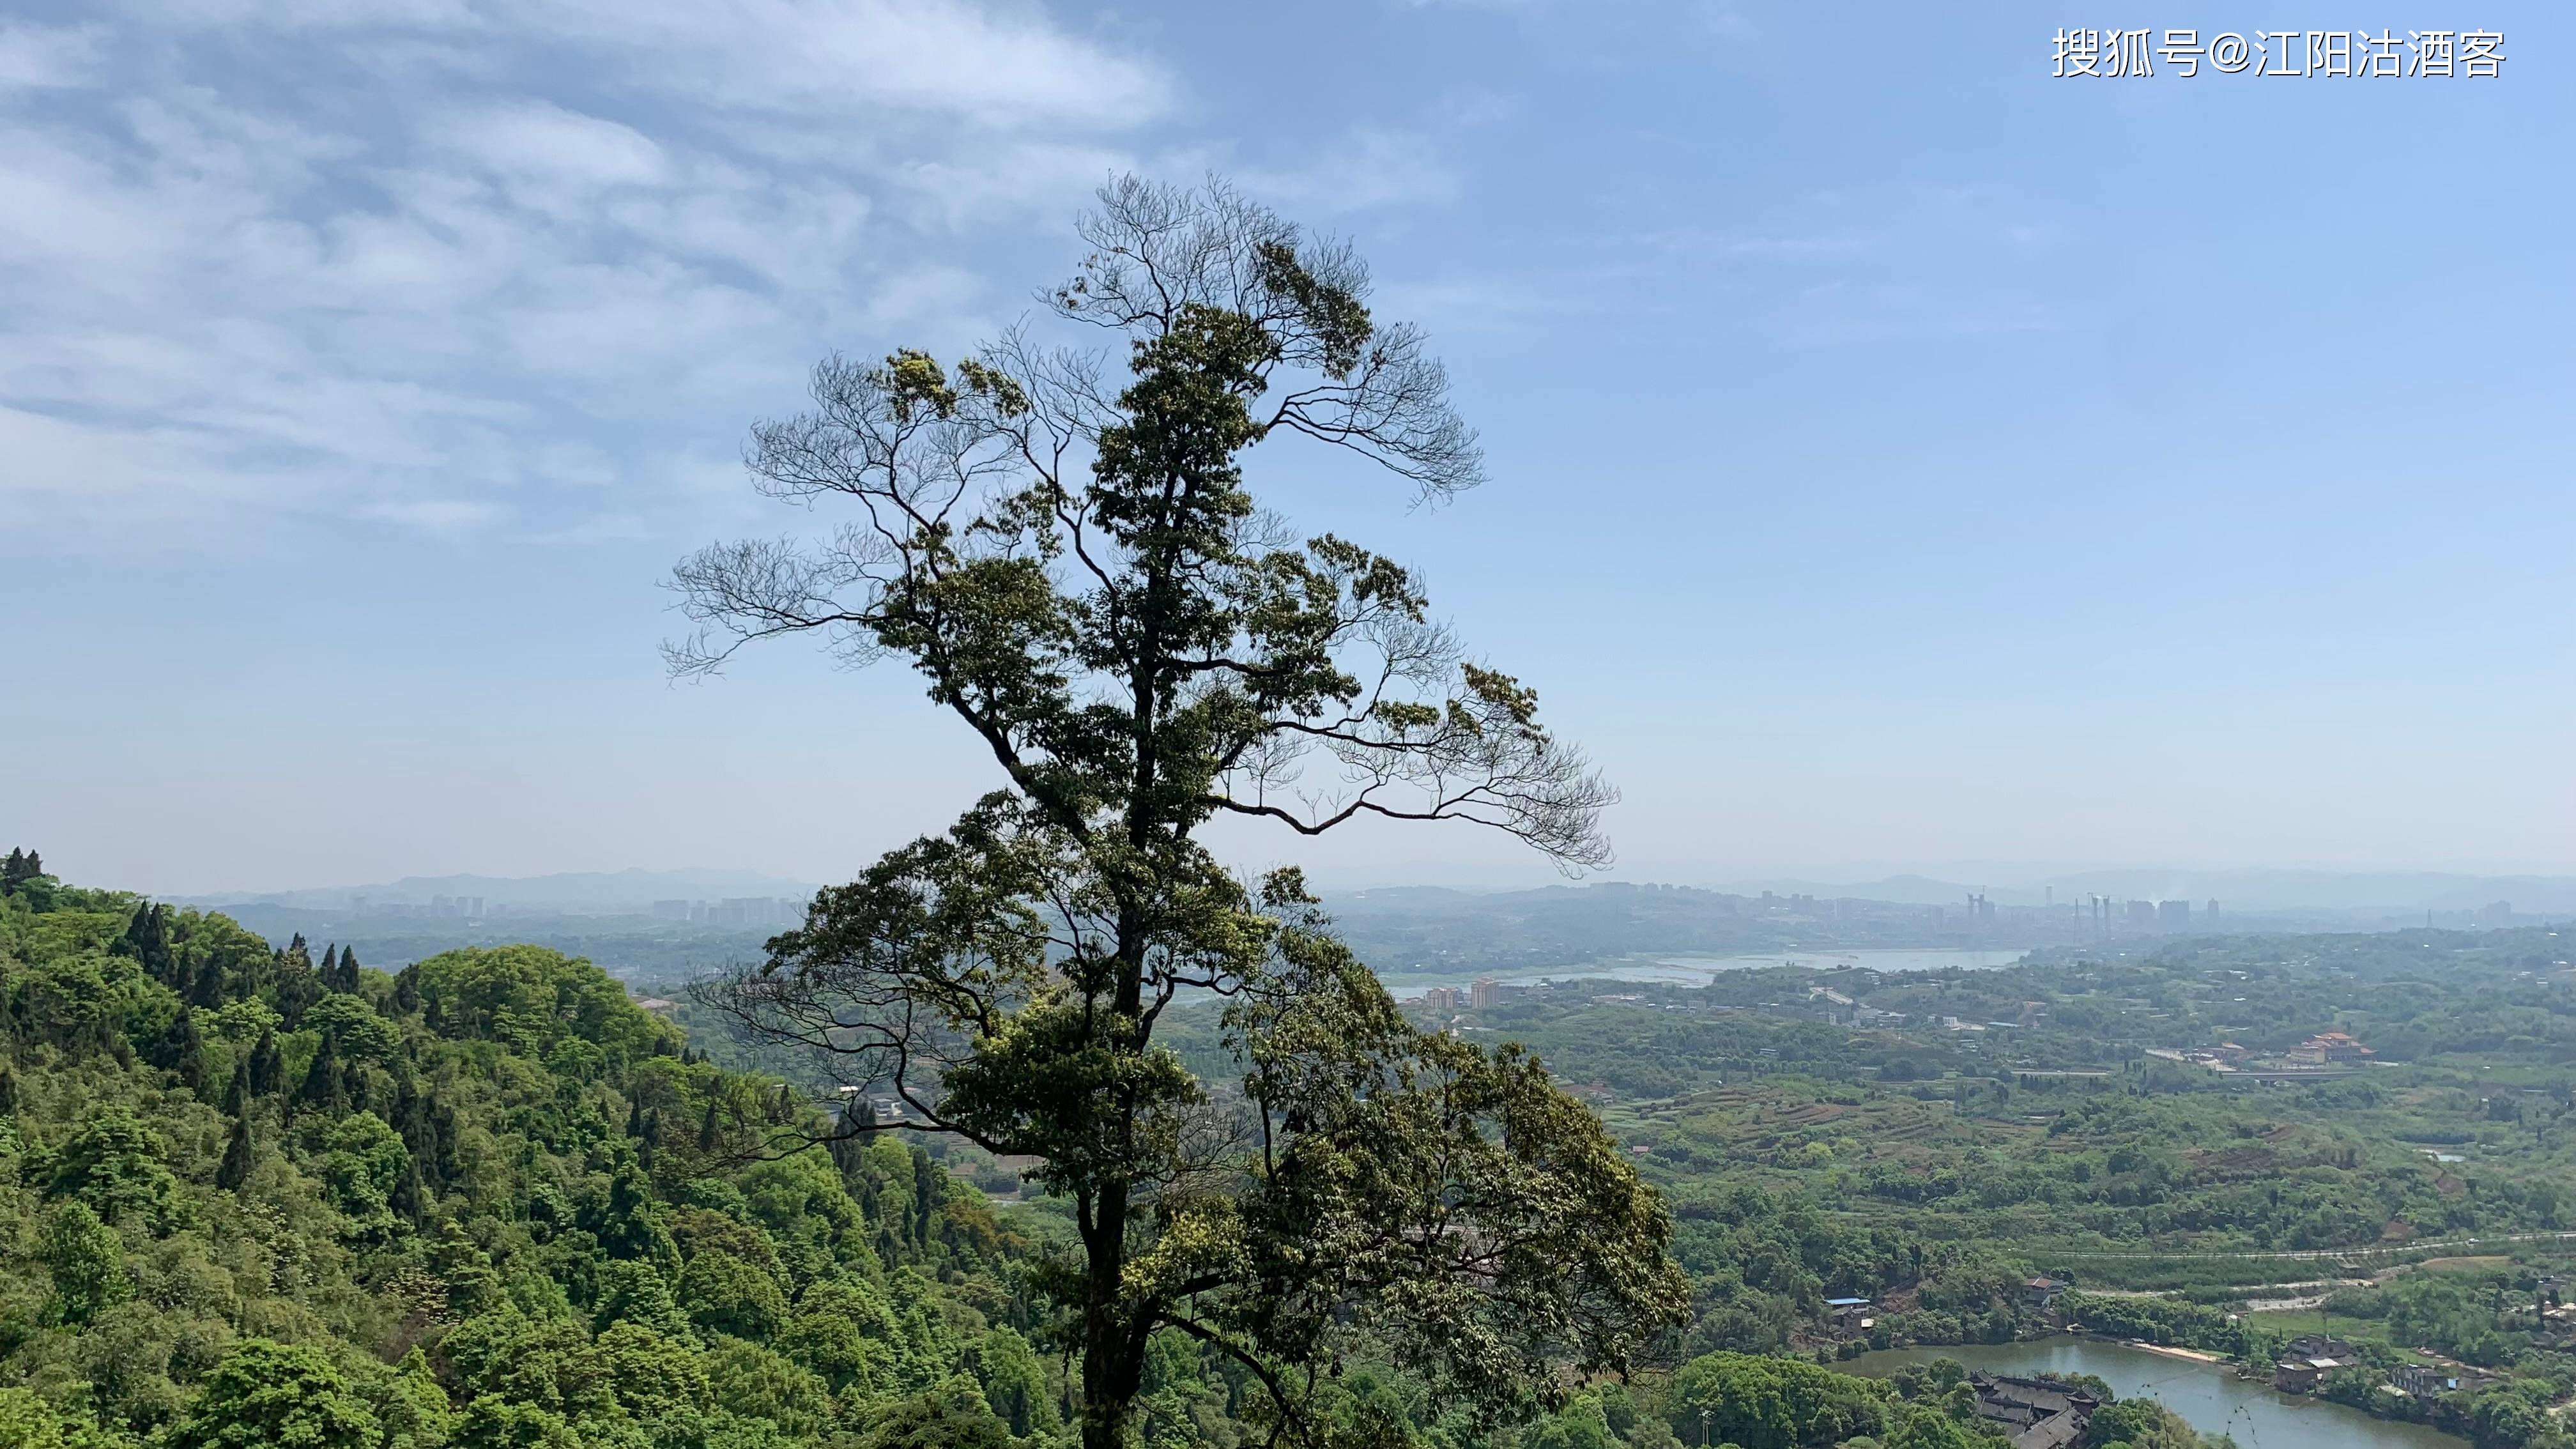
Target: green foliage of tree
[[1080, 572], [268, 1395], [952, 1417], [85, 1261], [28, 1422], [365, 1161], [1773, 1403], [2139, 1423], [750, 1380], [724, 1294], [354, 1029]]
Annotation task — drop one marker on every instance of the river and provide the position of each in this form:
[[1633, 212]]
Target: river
[[2210, 1396]]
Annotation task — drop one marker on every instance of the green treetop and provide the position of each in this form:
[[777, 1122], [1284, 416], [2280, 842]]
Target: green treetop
[[1065, 546]]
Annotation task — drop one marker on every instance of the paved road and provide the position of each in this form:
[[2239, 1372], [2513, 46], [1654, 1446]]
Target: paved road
[[2321, 1254]]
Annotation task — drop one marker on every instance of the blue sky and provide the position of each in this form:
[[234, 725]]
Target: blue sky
[[1901, 457]]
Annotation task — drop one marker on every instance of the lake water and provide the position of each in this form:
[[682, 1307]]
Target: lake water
[[1689, 970], [2212, 1397]]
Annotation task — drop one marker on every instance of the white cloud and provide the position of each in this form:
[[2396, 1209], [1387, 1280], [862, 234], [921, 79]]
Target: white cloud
[[1000, 68], [453, 265], [39, 57], [540, 142], [1370, 167]]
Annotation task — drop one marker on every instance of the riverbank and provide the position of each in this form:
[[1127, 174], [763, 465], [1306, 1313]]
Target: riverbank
[[2206, 1392], [2165, 1350]]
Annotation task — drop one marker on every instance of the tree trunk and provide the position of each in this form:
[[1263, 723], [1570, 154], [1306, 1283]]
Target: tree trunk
[[1112, 1360]]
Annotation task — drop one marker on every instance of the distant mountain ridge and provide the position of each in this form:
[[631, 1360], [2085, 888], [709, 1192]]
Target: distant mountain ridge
[[2236, 890], [593, 890], [2240, 890]]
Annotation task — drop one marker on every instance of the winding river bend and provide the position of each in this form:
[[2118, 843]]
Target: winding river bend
[[2210, 1396]]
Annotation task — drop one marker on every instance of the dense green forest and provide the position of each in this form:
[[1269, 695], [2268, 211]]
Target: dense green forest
[[252, 1198]]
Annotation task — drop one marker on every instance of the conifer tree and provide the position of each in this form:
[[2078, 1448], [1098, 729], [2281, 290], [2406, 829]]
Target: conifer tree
[[348, 977], [147, 942], [267, 1065], [21, 867], [237, 1091], [330, 967], [410, 1198], [322, 1089], [407, 990], [205, 989], [442, 1122], [182, 1051], [235, 1169], [707, 1133], [299, 986], [8, 1091]]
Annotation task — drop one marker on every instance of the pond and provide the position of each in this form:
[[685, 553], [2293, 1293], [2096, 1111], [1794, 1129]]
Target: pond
[[2210, 1396]]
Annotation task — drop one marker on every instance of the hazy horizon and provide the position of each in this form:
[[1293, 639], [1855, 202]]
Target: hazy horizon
[[2244, 890]]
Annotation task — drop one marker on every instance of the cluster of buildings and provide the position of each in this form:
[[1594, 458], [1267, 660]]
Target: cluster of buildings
[[2146, 918], [2305, 1364], [1834, 1008], [2328, 1049], [1825, 1004], [1480, 994], [2328, 1053], [737, 911], [2033, 1413], [2308, 1359]]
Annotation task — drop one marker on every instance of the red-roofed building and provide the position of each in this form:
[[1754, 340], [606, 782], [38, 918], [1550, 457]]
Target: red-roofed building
[[2331, 1048]]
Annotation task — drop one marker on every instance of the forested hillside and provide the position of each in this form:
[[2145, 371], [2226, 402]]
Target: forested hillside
[[251, 1198]]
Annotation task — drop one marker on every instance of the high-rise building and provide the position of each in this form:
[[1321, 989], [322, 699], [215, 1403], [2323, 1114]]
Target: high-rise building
[[2173, 915]]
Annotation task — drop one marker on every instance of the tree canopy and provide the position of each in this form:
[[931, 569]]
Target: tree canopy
[[1065, 545]]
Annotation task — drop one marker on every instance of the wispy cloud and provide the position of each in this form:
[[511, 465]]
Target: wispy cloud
[[452, 265]]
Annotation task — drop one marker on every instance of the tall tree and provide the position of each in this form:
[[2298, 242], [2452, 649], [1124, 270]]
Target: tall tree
[[182, 1050], [1072, 560], [267, 1064], [147, 941], [234, 1170], [324, 1088], [237, 1091]]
